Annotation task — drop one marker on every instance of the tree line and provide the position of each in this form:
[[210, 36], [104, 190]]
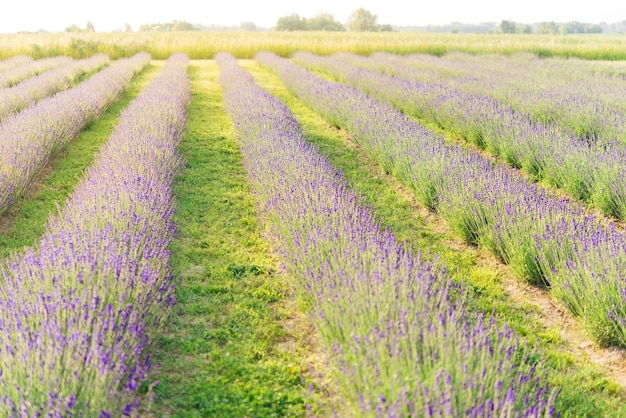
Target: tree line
[[360, 20]]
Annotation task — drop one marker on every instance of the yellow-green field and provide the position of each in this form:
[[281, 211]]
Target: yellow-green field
[[202, 45]]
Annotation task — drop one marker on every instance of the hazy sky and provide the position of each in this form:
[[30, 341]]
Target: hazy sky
[[107, 15]]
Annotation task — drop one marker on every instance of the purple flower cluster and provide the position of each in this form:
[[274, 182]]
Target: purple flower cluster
[[594, 172], [29, 69], [30, 138], [397, 331], [78, 312], [28, 92], [543, 238]]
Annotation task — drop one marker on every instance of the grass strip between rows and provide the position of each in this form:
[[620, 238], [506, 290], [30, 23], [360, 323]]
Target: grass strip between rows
[[239, 347]]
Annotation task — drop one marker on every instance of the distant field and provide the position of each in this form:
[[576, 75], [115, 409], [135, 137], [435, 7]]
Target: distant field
[[202, 45]]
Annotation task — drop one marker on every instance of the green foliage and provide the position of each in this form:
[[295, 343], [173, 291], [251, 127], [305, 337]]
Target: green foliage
[[579, 27], [77, 29], [548, 28], [362, 20], [248, 26], [324, 22], [293, 22], [321, 22], [175, 26], [508, 26]]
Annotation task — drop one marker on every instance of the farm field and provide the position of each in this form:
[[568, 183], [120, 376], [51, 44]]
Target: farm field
[[317, 235]]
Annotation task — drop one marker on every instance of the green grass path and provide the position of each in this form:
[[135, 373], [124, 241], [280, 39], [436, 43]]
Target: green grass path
[[229, 353]]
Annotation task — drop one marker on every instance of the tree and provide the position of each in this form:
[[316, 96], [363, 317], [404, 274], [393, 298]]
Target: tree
[[292, 22], [525, 29], [248, 26], [507, 26], [323, 22], [548, 28], [73, 28], [176, 25], [594, 29], [182, 26], [76, 28], [362, 20], [127, 27]]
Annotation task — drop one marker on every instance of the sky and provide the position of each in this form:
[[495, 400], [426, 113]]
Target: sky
[[109, 15]]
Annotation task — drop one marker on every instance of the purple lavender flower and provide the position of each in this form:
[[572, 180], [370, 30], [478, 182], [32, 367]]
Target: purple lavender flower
[[394, 325], [81, 310]]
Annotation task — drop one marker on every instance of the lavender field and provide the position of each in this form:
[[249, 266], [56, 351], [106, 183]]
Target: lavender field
[[343, 235]]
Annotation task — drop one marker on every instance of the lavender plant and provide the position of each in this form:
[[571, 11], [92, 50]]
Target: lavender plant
[[79, 312], [29, 69], [583, 99], [30, 138], [591, 172], [28, 92], [545, 240], [14, 61], [396, 329]]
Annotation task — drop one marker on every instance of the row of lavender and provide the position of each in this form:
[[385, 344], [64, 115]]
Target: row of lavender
[[592, 172], [30, 138], [30, 68], [542, 238], [14, 61], [28, 92], [579, 96], [79, 312], [398, 334]]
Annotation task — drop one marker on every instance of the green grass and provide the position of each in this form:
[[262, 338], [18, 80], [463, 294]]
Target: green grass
[[24, 222], [586, 391], [230, 352], [204, 45]]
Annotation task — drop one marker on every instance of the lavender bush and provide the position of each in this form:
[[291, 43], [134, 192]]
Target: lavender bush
[[592, 172], [545, 240], [28, 92], [79, 312], [30, 138], [14, 61], [395, 327], [582, 98], [29, 69]]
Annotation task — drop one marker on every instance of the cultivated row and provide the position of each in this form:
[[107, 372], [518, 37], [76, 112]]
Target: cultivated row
[[592, 172], [29, 69], [13, 62], [30, 138], [544, 239], [30, 91], [578, 96], [79, 312], [396, 329]]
